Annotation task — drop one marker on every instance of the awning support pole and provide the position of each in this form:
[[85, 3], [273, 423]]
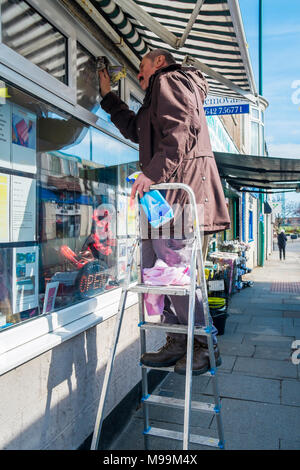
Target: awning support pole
[[191, 22], [109, 31], [188, 60], [147, 20]]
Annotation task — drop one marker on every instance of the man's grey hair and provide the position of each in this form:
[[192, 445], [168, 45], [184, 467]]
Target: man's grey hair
[[156, 52]]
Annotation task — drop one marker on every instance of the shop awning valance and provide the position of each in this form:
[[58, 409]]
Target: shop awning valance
[[264, 173], [205, 33]]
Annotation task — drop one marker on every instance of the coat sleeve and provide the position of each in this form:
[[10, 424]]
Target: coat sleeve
[[122, 117], [171, 110]]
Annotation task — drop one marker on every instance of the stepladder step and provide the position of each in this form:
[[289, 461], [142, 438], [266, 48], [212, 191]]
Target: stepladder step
[[194, 438], [167, 290], [178, 403], [198, 330]]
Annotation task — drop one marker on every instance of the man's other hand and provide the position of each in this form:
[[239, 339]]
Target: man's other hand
[[141, 185], [104, 82]]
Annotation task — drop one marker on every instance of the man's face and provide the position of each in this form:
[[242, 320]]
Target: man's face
[[147, 68]]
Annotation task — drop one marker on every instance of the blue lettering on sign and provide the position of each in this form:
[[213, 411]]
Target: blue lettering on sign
[[233, 109]]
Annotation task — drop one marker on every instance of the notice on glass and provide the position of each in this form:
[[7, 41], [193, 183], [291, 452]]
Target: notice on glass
[[25, 278], [50, 296], [122, 215], [5, 135], [23, 138], [4, 207], [23, 208]]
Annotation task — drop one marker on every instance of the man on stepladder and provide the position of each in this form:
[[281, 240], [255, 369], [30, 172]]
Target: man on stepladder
[[174, 147]]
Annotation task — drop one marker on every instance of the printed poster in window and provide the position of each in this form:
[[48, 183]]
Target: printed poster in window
[[25, 278], [23, 134], [5, 135], [23, 208], [134, 271], [131, 217], [122, 258], [122, 215], [4, 207]]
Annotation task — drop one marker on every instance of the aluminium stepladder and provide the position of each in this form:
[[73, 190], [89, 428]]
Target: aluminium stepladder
[[197, 282]]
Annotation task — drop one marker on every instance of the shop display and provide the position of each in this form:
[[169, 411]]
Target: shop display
[[23, 140], [66, 224], [23, 209], [5, 135], [25, 279], [50, 296], [4, 207], [223, 272]]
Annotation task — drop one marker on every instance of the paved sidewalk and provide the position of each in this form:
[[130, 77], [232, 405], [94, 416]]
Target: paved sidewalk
[[259, 385]]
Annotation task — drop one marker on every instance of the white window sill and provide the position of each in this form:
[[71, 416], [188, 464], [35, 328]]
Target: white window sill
[[26, 341]]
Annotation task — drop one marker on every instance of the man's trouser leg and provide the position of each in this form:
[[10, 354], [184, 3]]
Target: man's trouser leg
[[175, 252]]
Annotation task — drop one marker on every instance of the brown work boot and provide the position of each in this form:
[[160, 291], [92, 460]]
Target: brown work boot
[[167, 355], [201, 363]]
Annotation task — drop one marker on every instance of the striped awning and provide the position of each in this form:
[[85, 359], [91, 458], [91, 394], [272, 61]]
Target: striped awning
[[215, 41]]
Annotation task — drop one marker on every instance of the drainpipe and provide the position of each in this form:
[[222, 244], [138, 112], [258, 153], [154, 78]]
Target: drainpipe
[[261, 251]]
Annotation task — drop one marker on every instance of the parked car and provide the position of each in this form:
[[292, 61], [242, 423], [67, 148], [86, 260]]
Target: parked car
[[294, 236]]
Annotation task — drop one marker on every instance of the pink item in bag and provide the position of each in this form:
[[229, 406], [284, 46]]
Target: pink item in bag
[[162, 275]]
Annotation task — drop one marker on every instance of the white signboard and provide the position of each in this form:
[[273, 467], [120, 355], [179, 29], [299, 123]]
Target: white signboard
[[25, 278], [23, 208]]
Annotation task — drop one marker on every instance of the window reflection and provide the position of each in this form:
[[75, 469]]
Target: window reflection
[[27, 33]]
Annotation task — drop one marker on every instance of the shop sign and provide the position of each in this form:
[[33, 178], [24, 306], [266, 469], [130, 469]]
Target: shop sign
[[216, 106]]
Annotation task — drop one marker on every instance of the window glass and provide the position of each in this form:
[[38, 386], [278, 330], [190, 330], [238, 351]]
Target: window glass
[[262, 140], [255, 113], [66, 225], [88, 94], [134, 103], [29, 34], [254, 138], [250, 235]]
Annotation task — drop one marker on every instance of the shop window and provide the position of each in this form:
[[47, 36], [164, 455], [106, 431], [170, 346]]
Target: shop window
[[250, 226], [30, 35], [254, 138], [88, 94], [66, 225]]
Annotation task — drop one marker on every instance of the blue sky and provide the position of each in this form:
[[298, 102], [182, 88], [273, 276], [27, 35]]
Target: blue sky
[[281, 70]]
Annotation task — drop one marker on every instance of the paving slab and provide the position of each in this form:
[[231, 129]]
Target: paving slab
[[269, 321], [290, 392], [288, 444], [265, 368], [291, 314], [236, 349], [246, 388], [277, 354], [260, 419], [261, 329], [255, 311], [283, 342]]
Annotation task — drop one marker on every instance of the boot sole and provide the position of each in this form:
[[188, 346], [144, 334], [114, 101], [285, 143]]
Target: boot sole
[[200, 371], [160, 364]]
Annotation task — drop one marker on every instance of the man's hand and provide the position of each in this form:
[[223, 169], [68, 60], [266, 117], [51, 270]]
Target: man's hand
[[104, 82], [141, 185]]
